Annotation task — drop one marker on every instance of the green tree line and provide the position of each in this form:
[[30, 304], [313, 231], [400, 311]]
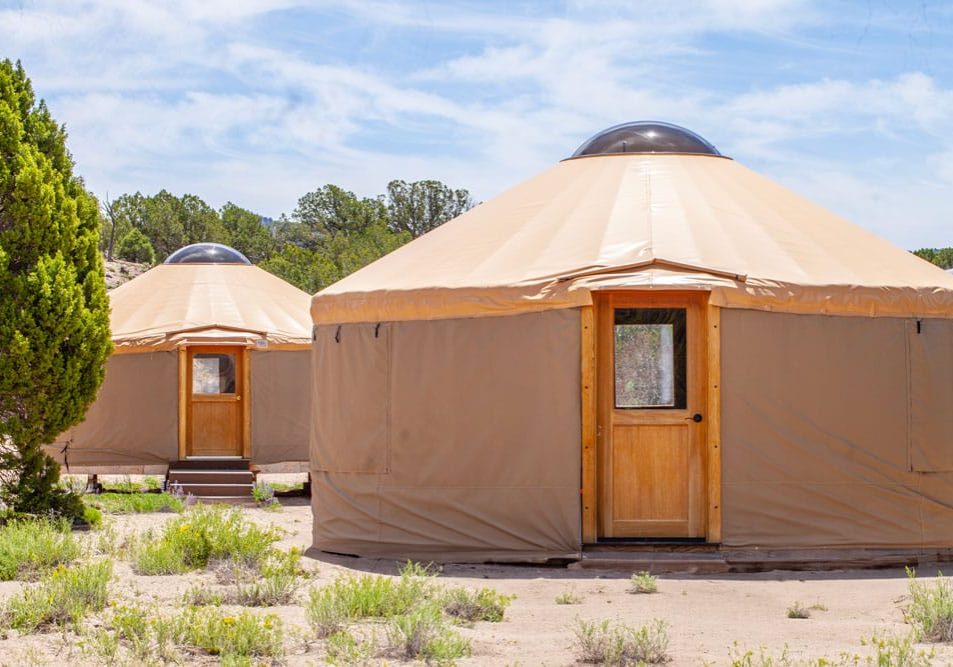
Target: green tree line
[[331, 232], [942, 257]]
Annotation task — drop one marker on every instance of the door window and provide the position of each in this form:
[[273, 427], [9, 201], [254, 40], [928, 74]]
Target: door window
[[650, 350], [213, 374]]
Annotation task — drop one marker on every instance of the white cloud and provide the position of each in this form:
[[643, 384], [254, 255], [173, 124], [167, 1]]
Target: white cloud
[[196, 96]]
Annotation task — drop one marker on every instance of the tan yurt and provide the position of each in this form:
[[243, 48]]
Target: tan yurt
[[646, 343], [210, 363]]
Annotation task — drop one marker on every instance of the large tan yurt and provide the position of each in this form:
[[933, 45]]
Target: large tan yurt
[[210, 362], [647, 342]]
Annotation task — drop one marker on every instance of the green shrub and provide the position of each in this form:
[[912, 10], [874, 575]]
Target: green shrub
[[264, 496], [232, 636], [147, 634], [272, 582], [343, 648], [66, 595], [605, 643], [888, 651], [202, 595], [422, 633], [643, 582], [374, 596], [326, 612], [205, 535], [92, 516], [798, 611], [893, 651], [136, 247], [931, 608], [748, 658], [569, 597], [482, 605], [135, 503], [101, 643], [30, 548], [269, 591], [243, 634], [285, 487]]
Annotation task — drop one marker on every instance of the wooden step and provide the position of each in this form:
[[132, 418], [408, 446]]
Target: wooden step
[[206, 489], [210, 464], [211, 476], [215, 480]]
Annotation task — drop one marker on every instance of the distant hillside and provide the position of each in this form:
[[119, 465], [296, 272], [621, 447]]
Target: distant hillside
[[119, 272]]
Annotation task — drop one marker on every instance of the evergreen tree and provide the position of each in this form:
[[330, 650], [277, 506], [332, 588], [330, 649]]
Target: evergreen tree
[[246, 233], [54, 314], [421, 206]]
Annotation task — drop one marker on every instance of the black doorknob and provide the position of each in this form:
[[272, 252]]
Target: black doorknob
[[696, 417]]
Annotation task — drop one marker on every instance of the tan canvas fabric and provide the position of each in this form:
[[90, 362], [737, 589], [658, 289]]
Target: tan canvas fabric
[[483, 434], [352, 390], [174, 304], [816, 432], [931, 395], [134, 419], [547, 242], [280, 406]]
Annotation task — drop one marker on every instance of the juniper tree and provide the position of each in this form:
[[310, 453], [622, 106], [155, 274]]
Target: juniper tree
[[54, 314]]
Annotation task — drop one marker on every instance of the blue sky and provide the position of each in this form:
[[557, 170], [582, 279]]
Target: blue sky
[[260, 101]]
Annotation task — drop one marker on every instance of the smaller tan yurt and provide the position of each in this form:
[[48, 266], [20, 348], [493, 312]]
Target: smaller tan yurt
[[210, 361]]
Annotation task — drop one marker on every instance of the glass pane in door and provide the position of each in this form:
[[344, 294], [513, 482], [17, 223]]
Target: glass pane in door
[[650, 357], [213, 374]]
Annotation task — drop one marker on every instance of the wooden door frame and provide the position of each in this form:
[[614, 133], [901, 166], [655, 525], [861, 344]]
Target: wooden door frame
[[185, 390], [594, 402]]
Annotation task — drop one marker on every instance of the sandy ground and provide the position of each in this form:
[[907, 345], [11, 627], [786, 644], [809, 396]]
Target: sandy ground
[[706, 614]]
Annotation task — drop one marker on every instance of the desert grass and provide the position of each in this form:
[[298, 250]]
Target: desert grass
[[797, 610], [569, 597], [30, 548], [135, 503], [881, 651], [643, 583], [354, 597], [468, 606], [274, 581], [931, 608], [344, 648], [423, 634], [203, 536], [139, 634], [418, 614], [65, 596], [618, 644]]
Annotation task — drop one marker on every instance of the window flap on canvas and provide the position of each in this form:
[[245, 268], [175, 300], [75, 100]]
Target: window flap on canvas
[[930, 344], [351, 365]]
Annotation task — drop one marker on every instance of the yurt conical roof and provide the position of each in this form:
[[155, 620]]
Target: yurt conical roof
[[641, 206], [207, 293]]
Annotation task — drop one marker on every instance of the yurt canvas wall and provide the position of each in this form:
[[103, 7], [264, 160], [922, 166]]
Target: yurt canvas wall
[[837, 431], [134, 421], [463, 436]]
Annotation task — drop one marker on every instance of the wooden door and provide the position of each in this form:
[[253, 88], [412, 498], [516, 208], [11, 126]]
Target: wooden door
[[651, 394], [214, 382]]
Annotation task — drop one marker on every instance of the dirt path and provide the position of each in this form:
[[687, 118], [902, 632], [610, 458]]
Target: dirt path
[[705, 614]]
